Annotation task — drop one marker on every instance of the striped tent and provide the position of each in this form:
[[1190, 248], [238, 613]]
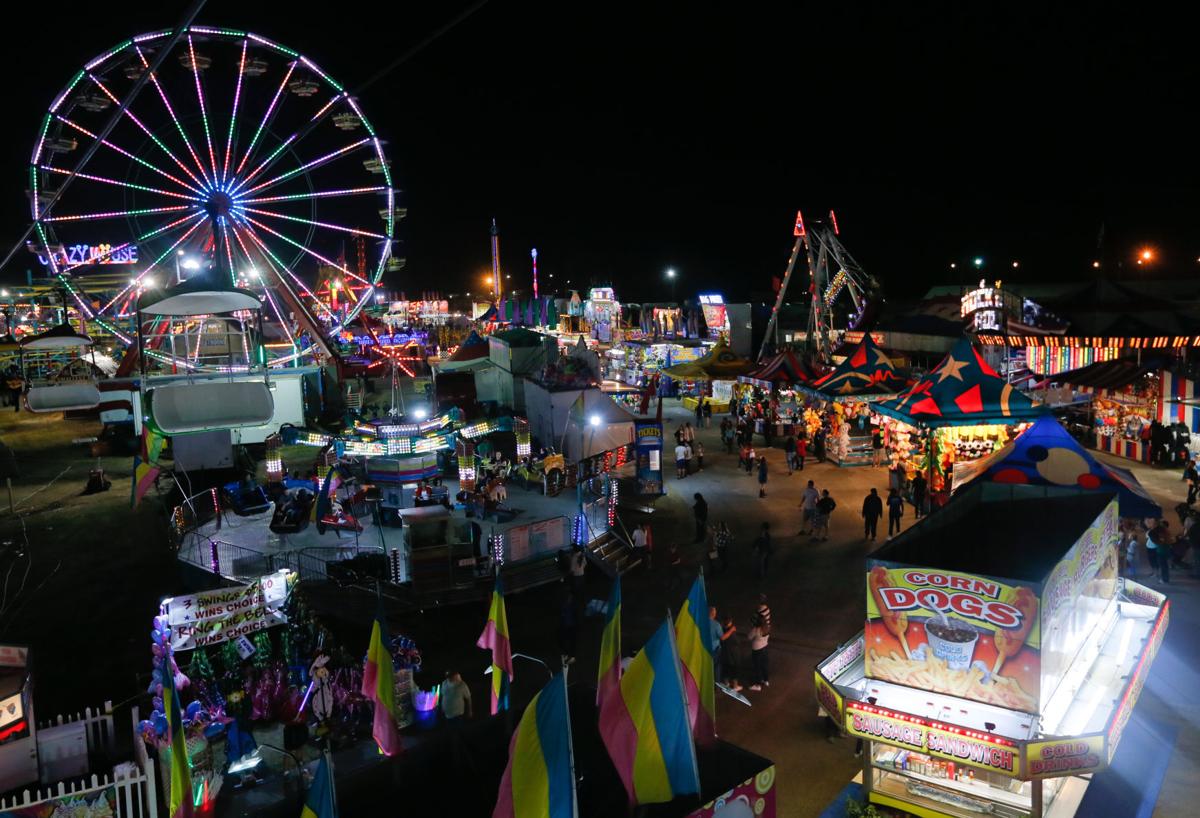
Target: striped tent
[[1179, 401], [784, 368]]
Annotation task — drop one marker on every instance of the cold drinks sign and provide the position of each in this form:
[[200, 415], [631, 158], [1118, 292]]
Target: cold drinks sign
[[971, 636]]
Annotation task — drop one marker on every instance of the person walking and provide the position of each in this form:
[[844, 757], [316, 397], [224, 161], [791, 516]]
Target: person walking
[[825, 507], [1158, 543], [762, 551], [877, 446], [708, 413], [700, 512], [919, 487], [681, 454], [722, 539], [700, 413], [454, 697], [808, 508], [727, 670], [895, 509], [801, 452], [751, 458], [699, 452], [689, 433], [1193, 481], [638, 541], [760, 640], [714, 635], [789, 453], [872, 510], [762, 477], [649, 543], [727, 435]]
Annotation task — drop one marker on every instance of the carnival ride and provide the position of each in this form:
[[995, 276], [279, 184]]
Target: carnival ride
[[229, 154], [842, 295], [60, 378]]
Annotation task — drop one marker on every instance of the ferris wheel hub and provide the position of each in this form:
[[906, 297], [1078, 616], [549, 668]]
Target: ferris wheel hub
[[218, 204]]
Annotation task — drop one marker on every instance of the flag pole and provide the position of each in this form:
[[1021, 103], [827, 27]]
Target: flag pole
[[332, 779], [570, 746]]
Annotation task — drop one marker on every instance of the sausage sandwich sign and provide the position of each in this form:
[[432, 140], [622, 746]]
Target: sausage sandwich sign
[[965, 635]]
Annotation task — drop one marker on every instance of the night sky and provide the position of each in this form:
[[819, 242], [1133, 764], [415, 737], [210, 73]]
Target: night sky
[[643, 136]]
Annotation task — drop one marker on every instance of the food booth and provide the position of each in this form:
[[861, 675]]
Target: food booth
[[720, 367], [780, 377], [994, 679]]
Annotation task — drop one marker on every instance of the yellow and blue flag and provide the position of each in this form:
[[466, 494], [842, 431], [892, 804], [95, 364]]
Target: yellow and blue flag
[[646, 729], [320, 802], [539, 781], [693, 634], [495, 638], [608, 679], [179, 795]]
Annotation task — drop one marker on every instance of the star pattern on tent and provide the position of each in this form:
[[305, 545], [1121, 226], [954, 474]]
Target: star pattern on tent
[[951, 368], [882, 359], [846, 388]]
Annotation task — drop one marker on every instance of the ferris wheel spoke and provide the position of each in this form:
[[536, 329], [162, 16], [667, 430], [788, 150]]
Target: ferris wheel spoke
[[117, 182], [278, 265], [133, 117], [128, 155], [327, 225], [307, 250], [266, 118], [307, 166], [237, 97], [118, 214], [319, 194], [266, 290], [291, 141], [138, 278], [175, 119], [212, 156]]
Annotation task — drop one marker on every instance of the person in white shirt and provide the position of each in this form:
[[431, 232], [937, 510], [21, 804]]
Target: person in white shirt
[[455, 697], [639, 542], [808, 505], [681, 460]]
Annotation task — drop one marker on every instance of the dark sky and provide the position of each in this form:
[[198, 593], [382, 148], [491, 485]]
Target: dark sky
[[646, 135]]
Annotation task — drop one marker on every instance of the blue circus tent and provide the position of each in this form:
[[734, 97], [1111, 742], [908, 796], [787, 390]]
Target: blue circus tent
[[1046, 455]]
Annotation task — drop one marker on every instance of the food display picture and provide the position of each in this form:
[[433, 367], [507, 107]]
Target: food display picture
[[964, 635]]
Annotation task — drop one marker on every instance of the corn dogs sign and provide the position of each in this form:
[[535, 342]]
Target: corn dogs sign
[[966, 635]]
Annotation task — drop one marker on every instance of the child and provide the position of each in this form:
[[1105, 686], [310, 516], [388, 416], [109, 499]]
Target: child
[[699, 450]]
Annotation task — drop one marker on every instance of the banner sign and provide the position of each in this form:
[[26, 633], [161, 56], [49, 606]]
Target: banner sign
[[213, 617], [829, 699], [648, 446], [975, 637], [1065, 756], [955, 744]]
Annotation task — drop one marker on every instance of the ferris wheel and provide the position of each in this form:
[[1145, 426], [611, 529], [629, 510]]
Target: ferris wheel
[[239, 159]]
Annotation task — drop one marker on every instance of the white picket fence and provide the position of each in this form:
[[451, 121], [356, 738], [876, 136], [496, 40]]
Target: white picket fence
[[133, 781]]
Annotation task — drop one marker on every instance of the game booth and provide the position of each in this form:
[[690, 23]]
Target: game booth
[[636, 362], [712, 376], [962, 410], [1045, 454], [865, 377], [780, 379], [995, 679]]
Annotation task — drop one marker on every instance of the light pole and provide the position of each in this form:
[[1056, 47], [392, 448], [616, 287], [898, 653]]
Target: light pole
[[671, 278]]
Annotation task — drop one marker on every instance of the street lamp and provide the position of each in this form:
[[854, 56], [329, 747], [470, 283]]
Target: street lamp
[[978, 261], [671, 278]]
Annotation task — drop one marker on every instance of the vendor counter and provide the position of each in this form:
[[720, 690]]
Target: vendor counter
[[718, 407]]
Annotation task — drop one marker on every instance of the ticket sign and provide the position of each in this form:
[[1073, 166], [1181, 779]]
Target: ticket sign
[[961, 747], [1134, 689], [1065, 756]]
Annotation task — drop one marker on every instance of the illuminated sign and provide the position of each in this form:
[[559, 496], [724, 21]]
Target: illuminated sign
[[75, 254], [1066, 756], [957, 744], [712, 299], [830, 700]]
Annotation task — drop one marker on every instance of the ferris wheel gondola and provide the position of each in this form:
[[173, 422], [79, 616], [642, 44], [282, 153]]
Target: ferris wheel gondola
[[237, 155]]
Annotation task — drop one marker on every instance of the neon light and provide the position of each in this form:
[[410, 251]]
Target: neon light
[[174, 119], [237, 95], [351, 230], [212, 157], [80, 254], [266, 116], [263, 165], [314, 163], [126, 153], [54, 106], [138, 278], [107, 55], [321, 194], [273, 45], [312, 253], [114, 181], [87, 217]]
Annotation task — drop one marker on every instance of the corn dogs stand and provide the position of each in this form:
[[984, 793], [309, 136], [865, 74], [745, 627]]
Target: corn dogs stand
[[1001, 658]]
